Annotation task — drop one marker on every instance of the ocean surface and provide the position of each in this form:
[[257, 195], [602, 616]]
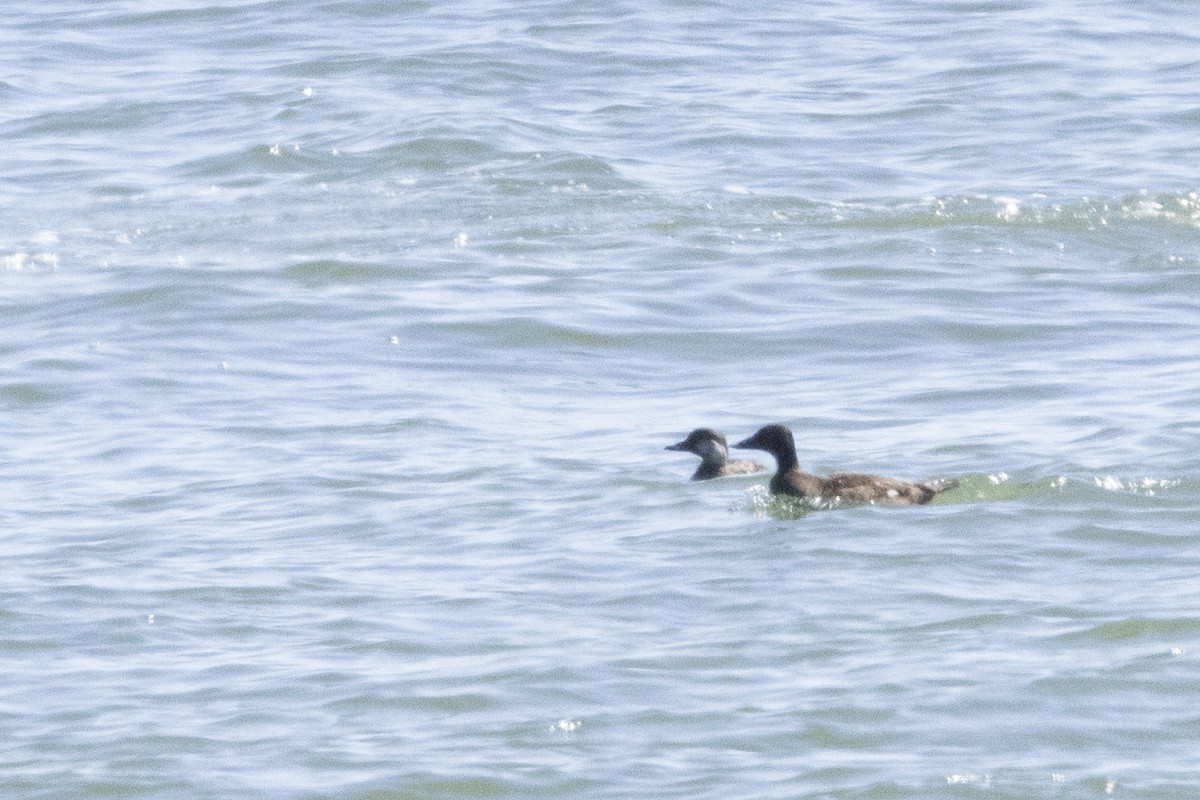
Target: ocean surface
[[342, 339]]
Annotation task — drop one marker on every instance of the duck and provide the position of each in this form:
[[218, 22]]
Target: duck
[[714, 455], [839, 487]]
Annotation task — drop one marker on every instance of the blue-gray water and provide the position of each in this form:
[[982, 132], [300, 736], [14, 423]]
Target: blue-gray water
[[341, 342]]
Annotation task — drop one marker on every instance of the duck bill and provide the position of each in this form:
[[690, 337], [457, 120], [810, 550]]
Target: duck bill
[[679, 447], [747, 444]]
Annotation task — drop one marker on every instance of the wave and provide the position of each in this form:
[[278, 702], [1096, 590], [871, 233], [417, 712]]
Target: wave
[[998, 487], [1179, 209]]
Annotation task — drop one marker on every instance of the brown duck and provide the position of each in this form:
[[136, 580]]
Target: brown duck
[[845, 487]]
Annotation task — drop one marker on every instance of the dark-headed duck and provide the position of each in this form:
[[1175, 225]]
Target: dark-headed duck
[[714, 455], [846, 487]]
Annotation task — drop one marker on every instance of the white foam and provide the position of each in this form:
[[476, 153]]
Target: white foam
[[1009, 207], [969, 778], [1146, 486], [18, 262]]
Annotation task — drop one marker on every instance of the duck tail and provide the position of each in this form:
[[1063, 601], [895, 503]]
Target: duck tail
[[940, 485]]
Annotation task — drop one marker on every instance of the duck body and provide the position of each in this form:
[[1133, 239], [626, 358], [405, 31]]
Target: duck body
[[846, 487], [710, 445]]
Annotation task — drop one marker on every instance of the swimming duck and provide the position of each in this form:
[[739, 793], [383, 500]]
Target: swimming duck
[[714, 455], [847, 487]]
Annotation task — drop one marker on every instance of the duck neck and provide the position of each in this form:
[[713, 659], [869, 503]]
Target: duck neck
[[712, 454], [786, 460]]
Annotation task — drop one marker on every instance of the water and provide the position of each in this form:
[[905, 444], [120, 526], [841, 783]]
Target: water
[[342, 340]]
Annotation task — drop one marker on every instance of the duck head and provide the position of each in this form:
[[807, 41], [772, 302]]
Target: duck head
[[704, 442], [774, 439]]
